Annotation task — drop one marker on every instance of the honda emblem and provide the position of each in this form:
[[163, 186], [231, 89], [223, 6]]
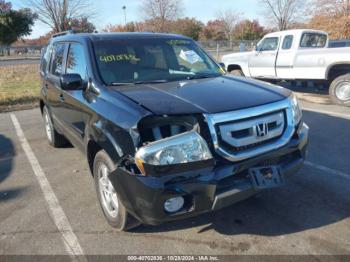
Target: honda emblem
[[262, 130]]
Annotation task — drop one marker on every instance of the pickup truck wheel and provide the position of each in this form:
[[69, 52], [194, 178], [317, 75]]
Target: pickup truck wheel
[[237, 72], [339, 90], [113, 209], [55, 139]]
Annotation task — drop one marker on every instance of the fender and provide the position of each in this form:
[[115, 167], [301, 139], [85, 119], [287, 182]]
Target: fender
[[116, 141], [344, 63]]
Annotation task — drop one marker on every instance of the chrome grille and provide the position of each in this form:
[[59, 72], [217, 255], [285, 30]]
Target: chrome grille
[[242, 134]]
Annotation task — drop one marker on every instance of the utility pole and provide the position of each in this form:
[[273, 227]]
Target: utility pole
[[124, 9]]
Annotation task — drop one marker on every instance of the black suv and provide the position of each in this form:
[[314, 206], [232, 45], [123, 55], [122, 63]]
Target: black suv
[[166, 133]]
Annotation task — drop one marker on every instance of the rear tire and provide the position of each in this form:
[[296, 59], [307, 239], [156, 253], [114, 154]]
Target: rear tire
[[55, 139], [339, 90], [113, 209], [237, 72]]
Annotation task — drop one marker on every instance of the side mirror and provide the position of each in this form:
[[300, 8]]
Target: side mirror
[[71, 82], [222, 65]]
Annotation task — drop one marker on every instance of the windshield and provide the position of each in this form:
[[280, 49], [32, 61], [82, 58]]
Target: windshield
[[123, 61]]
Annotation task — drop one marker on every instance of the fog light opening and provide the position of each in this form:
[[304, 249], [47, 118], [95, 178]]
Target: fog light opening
[[174, 204]]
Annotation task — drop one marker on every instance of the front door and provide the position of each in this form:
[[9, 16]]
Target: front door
[[262, 62], [74, 109]]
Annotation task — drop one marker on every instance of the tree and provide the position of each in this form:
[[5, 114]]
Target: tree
[[229, 20], [57, 13], [82, 25], [214, 30], [249, 30], [14, 24], [284, 13], [5, 6], [160, 13], [129, 27], [188, 26], [332, 16]]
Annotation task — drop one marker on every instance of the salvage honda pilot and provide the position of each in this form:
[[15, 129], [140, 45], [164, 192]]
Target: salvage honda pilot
[[166, 133]]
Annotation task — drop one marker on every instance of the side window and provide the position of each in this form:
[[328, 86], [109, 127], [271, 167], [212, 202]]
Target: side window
[[57, 63], [313, 40], [76, 62], [45, 59], [268, 44], [287, 42]]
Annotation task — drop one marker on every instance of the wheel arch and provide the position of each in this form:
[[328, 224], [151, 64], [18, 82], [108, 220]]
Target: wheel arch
[[238, 66], [337, 69], [103, 137]]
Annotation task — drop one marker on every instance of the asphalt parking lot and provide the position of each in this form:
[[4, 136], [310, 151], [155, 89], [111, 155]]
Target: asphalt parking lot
[[310, 215]]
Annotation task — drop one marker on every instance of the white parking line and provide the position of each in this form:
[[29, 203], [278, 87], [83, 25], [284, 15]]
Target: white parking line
[[341, 115], [328, 170], [70, 240]]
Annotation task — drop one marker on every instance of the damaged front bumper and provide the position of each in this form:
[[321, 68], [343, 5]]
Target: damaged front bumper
[[204, 188]]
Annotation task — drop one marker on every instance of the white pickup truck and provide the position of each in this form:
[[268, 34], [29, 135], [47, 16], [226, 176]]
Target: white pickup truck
[[296, 55]]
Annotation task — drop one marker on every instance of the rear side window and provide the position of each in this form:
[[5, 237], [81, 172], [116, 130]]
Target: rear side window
[[57, 63], [313, 40], [76, 62], [45, 59], [287, 42]]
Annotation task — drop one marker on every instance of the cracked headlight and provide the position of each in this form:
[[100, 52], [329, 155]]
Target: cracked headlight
[[183, 148], [296, 110]]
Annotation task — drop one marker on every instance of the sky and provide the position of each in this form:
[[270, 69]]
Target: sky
[[110, 11]]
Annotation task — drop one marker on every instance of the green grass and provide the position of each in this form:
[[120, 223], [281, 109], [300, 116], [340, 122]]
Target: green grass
[[19, 85]]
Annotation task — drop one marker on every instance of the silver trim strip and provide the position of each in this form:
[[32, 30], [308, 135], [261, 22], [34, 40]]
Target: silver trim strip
[[214, 119], [250, 125]]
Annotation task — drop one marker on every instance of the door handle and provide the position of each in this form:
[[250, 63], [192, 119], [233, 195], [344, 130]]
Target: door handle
[[61, 97]]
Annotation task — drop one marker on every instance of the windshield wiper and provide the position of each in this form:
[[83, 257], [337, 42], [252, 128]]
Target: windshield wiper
[[139, 82], [121, 84], [200, 76], [151, 81]]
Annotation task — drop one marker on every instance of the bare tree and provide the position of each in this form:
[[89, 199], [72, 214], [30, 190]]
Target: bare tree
[[57, 13], [332, 16], [230, 19], [161, 12], [284, 13]]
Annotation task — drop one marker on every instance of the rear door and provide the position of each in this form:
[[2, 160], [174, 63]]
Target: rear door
[[285, 58], [54, 94], [262, 62]]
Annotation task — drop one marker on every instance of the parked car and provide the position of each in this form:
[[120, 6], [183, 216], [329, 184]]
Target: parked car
[[166, 134], [339, 43], [296, 55]]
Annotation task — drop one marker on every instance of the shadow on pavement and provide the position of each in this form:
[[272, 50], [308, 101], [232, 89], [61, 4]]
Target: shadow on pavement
[[311, 199], [7, 154]]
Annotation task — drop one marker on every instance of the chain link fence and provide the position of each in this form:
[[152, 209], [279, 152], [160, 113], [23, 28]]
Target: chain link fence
[[219, 48], [216, 48], [21, 51]]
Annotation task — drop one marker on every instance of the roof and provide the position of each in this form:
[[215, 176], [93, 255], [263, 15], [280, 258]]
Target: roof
[[295, 31], [110, 36]]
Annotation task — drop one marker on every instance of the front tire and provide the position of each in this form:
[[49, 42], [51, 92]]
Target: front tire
[[339, 90], [113, 209], [55, 139], [237, 72]]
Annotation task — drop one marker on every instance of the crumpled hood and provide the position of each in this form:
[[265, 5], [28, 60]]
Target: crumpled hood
[[212, 95]]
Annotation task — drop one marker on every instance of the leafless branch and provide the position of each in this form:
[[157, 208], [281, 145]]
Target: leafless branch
[[56, 13], [284, 13]]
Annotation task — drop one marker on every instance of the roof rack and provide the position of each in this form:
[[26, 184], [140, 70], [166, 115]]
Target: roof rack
[[68, 32]]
